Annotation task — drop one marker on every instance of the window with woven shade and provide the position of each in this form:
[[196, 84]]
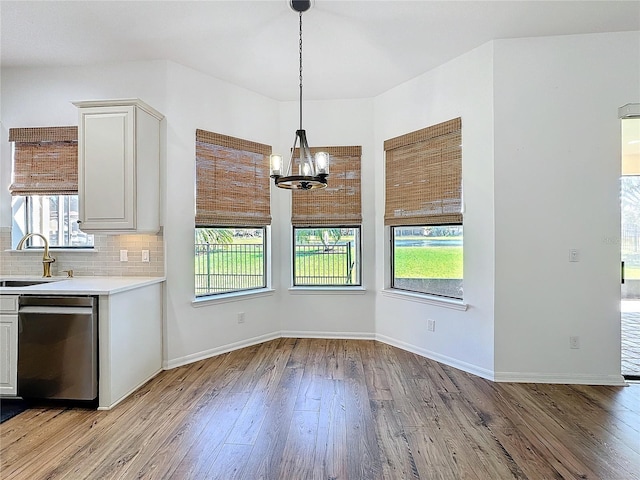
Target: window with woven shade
[[326, 224], [232, 181], [45, 161], [423, 208], [45, 186], [232, 214]]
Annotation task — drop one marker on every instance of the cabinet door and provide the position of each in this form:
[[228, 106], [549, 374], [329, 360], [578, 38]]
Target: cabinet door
[[8, 354], [106, 168]]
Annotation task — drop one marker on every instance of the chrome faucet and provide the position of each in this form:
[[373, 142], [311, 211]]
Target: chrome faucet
[[47, 259]]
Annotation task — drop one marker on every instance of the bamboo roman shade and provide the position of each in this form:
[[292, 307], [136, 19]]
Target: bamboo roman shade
[[423, 171], [232, 182], [339, 204], [45, 161]]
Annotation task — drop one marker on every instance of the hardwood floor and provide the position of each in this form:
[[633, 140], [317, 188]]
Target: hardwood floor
[[297, 409]]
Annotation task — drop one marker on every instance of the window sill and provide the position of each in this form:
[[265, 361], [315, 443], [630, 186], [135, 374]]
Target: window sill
[[327, 290], [231, 297], [53, 250], [428, 299]]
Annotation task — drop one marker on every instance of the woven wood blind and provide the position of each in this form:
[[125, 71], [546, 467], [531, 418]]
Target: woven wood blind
[[424, 176], [232, 181], [340, 202], [45, 161]]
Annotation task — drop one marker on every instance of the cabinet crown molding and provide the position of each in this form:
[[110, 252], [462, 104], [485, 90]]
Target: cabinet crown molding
[[123, 102]]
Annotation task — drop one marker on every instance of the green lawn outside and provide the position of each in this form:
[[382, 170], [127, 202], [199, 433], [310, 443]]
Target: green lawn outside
[[631, 273], [428, 262], [224, 261], [410, 262]]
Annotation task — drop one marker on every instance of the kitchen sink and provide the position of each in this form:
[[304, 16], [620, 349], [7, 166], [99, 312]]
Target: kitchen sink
[[21, 283]]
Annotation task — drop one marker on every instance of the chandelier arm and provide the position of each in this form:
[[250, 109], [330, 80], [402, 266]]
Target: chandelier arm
[[305, 153], [293, 153]]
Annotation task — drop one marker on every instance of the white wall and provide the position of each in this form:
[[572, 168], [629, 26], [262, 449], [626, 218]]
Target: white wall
[[322, 312], [196, 101], [460, 88], [557, 164]]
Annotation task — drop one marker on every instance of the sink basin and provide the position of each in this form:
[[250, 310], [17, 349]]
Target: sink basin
[[21, 283]]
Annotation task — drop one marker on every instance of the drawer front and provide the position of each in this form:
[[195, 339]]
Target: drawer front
[[9, 303]]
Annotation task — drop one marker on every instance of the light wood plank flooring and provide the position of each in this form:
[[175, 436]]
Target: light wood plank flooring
[[297, 409]]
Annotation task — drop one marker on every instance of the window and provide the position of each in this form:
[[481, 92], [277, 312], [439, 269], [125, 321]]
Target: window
[[326, 225], [428, 259], [53, 216], [45, 186], [423, 208], [229, 260], [326, 256], [232, 214]]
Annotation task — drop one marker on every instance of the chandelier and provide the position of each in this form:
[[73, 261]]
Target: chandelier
[[312, 171]]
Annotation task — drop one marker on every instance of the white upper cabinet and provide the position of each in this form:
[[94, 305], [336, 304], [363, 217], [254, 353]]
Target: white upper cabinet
[[118, 167]]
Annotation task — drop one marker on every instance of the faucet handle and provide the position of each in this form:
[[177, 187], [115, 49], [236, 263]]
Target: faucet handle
[[69, 273]]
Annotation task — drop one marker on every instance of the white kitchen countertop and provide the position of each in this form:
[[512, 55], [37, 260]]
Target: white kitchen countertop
[[79, 285]]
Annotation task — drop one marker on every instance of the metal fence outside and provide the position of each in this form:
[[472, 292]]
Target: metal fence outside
[[221, 268], [319, 264]]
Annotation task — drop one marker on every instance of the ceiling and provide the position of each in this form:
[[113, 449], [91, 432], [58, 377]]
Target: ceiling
[[352, 49]]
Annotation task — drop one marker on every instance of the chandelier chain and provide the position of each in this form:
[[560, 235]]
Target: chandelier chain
[[300, 70]]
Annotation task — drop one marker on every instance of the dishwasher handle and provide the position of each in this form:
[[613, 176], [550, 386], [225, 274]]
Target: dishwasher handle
[[57, 310], [55, 301]]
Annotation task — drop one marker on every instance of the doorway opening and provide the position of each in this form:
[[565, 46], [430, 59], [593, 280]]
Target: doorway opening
[[630, 247]]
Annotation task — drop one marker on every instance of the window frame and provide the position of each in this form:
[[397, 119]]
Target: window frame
[[240, 291], [423, 188], [392, 258], [358, 263]]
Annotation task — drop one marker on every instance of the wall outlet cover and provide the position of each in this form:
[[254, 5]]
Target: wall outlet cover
[[574, 342]]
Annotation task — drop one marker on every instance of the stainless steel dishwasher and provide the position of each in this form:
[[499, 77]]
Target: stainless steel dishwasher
[[58, 347]]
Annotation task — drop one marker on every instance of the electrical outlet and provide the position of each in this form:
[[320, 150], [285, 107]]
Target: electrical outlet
[[574, 342], [240, 317], [431, 325], [145, 256], [124, 255], [574, 255]]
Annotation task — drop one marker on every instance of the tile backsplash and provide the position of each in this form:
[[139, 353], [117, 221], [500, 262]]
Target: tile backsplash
[[103, 260]]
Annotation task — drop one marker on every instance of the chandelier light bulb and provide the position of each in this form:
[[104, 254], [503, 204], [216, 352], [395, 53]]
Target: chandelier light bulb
[[322, 163], [276, 165]]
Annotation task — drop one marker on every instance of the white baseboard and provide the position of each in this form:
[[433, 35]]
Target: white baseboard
[[178, 362], [328, 335], [452, 362], [566, 379]]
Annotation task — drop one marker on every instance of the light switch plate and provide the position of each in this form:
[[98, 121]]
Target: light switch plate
[[124, 255], [145, 256]]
